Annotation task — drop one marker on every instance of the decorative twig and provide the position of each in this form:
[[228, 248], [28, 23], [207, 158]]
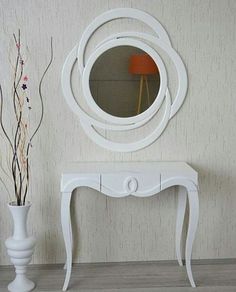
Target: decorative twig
[[39, 124], [16, 84], [21, 142]]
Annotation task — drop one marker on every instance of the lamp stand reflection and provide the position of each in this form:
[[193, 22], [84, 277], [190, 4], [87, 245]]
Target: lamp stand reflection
[[143, 65]]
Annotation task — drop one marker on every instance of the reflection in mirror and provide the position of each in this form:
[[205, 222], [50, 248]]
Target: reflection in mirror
[[124, 81]]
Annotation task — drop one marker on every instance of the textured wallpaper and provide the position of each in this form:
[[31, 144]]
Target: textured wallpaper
[[202, 133]]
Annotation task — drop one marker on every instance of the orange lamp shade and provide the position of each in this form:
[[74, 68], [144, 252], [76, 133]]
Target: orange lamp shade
[[142, 64]]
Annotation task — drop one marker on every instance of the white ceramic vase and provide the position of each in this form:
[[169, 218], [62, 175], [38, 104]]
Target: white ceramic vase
[[20, 248]]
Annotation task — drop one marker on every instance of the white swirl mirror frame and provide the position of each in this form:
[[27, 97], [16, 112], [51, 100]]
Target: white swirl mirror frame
[[136, 39]]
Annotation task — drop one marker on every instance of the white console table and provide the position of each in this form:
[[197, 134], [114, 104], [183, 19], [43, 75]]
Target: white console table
[[137, 179]]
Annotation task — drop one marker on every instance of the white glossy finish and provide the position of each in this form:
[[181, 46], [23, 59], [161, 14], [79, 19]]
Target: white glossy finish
[[136, 179], [182, 201], [146, 42], [20, 248]]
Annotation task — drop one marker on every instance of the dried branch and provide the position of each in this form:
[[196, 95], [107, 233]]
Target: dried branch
[[16, 83], [40, 121], [21, 142]]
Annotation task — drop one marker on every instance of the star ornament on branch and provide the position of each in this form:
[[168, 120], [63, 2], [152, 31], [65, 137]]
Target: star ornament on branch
[[20, 142], [24, 86]]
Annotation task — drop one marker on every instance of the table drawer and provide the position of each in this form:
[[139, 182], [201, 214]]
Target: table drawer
[[130, 183]]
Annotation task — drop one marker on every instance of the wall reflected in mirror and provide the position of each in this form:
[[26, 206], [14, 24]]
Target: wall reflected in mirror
[[124, 81]]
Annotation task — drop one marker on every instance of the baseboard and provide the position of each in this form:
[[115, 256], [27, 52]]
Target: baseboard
[[223, 261]]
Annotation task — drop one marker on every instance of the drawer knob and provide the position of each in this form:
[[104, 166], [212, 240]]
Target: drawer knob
[[130, 185]]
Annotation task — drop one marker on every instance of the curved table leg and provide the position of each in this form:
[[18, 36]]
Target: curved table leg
[[192, 227], [71, 239], [67, 234], [181, 208]]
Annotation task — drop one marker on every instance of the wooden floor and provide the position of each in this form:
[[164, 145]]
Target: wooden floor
[[217, 276]]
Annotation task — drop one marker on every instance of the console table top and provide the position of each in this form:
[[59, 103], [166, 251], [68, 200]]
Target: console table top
[[98, 167], [170, 167]]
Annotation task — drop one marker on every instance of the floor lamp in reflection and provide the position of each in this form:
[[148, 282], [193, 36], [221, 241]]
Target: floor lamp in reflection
[[143, 65]]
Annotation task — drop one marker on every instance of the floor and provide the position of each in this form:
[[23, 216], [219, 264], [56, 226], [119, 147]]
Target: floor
[[217, 276]]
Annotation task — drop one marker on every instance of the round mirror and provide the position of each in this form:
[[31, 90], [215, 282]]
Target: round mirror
[[124, 81]]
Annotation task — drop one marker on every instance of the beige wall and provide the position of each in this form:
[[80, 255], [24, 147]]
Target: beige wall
[[202, 133]]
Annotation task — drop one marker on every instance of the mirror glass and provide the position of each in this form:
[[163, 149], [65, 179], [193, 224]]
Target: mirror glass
[[124, 81]]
